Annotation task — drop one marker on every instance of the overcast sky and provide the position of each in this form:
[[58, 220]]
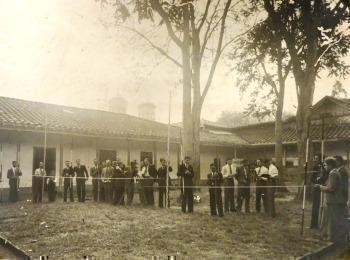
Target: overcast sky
[[58, 51]]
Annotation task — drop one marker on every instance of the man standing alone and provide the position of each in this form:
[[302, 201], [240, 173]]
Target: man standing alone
[[82, 176], [228, 173]]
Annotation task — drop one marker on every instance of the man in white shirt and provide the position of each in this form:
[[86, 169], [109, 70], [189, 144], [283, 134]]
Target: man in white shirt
[[228, 172], [272, 182], [262, 174], [148, 173], [38, 182]]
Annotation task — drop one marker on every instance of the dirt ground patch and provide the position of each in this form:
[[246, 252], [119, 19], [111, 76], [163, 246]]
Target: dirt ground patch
[[74, 230]]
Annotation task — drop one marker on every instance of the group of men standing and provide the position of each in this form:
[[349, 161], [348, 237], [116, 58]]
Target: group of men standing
[[264, 175], [330, 198], [113, 182]]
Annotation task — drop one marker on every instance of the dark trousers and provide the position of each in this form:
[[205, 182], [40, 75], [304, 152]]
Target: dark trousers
[[129, 189], [141, 191], [108, 192], [13, 193], [187, 200], [148, 191], [229, 193], [119, 196], [260, 194], [243, 194], [271, 198], [68, 185], [162, 197], [216, 202], [81, 190], [95, 188], [51, 190], [37, 189], [316, 202]]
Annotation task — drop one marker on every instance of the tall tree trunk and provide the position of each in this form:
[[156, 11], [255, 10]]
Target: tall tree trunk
[[302, 127], [187, 128], [279, 113], [278, 137]]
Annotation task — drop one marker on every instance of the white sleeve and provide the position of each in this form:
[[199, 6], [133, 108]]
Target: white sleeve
[[273, 172], [140, 173], [224, 171]]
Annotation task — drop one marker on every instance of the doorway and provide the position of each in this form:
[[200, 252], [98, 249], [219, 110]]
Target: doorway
[[50, 164], [108, 155]]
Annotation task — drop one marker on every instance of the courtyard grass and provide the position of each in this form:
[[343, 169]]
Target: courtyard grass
[[75, 230]]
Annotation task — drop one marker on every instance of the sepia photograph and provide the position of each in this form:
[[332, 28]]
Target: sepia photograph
[[174, 129]]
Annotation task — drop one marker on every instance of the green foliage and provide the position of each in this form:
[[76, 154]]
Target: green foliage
[[339, 91]]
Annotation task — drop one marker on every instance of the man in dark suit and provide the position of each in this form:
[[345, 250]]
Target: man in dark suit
[[95, 173], [68, 175], [13, 176], [81, 177], [228, 171], [318, 176], [344, 182], [243, 192], [130, 182], [148, 173], [107, 174], [119, 183], [162, 182], [215, 179], [186, 173]]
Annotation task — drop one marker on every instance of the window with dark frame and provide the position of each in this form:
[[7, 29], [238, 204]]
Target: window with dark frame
[[148, 155]]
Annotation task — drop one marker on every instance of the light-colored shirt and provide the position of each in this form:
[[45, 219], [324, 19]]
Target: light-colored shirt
[[226, 171], [273, 171], [261, 171], [144, 171], [39, 172]]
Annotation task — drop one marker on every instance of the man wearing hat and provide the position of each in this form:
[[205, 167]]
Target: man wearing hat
[[243, 190], [186, 173], [228, 172], [162, 182], [68, 175]]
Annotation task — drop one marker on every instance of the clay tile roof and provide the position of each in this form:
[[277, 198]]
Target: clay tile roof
[[28, 115]]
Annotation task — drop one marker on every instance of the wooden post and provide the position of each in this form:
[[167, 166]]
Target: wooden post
[[61, 164], [155, 154], [128, 151], [347, 153]]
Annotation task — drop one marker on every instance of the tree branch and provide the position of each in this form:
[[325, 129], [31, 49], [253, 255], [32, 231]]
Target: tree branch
[[218, 52], [156, 6], [159, 49], [204, 18], [206, 35]]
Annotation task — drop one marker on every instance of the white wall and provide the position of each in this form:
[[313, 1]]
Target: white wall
[[86, 149]]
